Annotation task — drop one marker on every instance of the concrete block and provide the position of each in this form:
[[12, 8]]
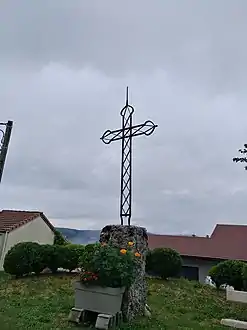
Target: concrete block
[[103, 321], [237, 296], [76, 315], [234, 323]]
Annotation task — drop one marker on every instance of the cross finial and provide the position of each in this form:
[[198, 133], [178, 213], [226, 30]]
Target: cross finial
[[127, 96]]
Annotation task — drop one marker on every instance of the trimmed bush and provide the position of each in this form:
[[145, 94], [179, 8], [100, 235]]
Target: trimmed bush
[[164, 262], [28, 257], [71, 256], [228, 272], [53, 256], [244, 276], [24, 258]]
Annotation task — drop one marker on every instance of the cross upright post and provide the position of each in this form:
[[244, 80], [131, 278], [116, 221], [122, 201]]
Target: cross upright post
[[5, 134], [125, 134]]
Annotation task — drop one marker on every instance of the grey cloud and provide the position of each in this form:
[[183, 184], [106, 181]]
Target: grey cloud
[[64, 67], [201, 41]]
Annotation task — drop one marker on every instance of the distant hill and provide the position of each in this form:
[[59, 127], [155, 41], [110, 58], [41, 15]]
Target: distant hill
[[78, 236]]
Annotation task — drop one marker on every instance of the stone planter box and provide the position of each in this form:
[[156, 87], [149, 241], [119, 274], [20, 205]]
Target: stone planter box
[[98, 299]]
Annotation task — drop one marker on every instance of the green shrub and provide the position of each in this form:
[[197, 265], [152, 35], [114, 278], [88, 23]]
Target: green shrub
[[87, 254], [23, 259], [59, 239], [53, 256], [108, 265], [71, 256], [164, 262], [244, 276], [229, 272], [149, 262], [38, 264]]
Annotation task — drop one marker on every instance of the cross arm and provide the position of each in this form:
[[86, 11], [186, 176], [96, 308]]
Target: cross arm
[[146, 128]]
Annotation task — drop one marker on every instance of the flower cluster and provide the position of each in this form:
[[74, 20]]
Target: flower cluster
[[106, 265], [130, 244], [88, 276]]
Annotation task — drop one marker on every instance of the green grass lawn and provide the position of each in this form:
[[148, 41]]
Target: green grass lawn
[[44, 303]]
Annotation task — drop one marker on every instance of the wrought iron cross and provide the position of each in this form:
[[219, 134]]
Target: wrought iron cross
[[5, 134], [125, 134]]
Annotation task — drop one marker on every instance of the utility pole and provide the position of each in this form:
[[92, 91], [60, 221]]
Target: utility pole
[[5, 134]]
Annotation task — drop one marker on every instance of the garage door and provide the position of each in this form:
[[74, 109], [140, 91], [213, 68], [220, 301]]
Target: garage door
[[191, 273]]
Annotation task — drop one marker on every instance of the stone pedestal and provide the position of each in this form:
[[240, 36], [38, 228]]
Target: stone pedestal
[[135, 298]]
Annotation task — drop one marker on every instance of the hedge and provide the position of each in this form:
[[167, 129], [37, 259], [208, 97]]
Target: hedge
[[71, 256], [28, 257]]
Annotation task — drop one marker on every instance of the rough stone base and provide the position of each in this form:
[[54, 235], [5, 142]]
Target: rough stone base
[[135, 298]]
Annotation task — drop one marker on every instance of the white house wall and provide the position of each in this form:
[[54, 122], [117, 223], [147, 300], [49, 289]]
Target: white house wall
[[33, 231], [2, 236], [203, 265]]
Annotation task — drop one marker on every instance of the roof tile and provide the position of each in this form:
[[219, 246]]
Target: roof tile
[[12, 219], [226, 242]]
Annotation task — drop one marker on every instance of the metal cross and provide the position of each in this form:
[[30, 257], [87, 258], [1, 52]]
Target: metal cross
[[5, 134], [125, 134]]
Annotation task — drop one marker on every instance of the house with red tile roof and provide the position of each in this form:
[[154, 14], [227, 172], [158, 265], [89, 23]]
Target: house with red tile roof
[[199, 254], [23, 226]]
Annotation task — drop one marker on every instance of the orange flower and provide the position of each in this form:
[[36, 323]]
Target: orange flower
[[103, 244], [131, 243], [123, 251], [137, 254]]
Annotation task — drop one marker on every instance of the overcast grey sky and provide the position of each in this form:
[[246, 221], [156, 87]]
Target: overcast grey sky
[[64, 67]]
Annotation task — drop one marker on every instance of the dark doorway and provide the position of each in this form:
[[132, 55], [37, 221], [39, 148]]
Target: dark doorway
[[190, 273]]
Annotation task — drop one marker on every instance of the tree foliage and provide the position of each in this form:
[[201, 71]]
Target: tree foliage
[[59, 239], [241, 159]]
